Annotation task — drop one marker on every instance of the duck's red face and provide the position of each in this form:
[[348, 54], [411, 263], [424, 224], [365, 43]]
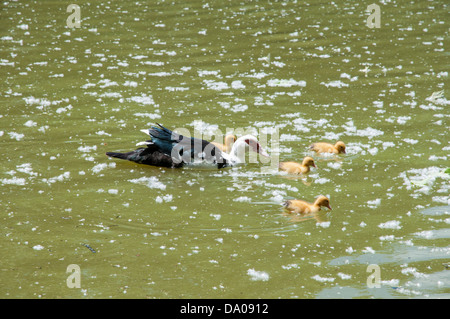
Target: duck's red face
[[256, 147]]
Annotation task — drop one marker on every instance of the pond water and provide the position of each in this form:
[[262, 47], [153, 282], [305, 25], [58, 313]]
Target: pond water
[[305, 71]]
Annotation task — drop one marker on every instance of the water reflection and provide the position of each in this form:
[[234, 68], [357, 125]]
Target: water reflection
[[305, 179], [321, 217]]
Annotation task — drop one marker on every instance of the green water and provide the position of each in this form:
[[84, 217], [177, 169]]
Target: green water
[[313, 70]]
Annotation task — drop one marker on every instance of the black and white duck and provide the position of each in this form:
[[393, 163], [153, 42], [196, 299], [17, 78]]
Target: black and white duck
[[170, 149]]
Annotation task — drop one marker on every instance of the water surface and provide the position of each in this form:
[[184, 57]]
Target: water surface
[[312, 70]]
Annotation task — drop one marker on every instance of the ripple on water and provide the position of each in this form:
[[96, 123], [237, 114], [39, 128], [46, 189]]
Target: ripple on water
[[422, 257]]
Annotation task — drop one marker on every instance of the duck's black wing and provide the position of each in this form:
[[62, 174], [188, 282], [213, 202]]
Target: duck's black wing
[[151, 155], [170, 149], [185, 149]]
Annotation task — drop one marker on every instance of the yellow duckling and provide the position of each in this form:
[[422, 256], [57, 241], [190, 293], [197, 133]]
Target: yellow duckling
[[229, 141], [323, 147], [297, 168], [302, 207]]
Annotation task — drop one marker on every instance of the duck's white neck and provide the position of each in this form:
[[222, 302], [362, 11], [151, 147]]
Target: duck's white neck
[[237, 152]]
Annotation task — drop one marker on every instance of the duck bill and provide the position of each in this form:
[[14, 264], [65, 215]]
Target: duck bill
[[329, 207], [258, 149], [263, 153]]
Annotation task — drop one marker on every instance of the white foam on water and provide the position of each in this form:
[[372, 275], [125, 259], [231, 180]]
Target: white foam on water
[[151, 182], [242, 199], [374, 203], [142, 99], [59, 178], [392, 224], [285, 83], [335, 84], [216, 85], [16, 136], [19, 181], [87, 149], [427, 234], [344, 276], [258, 275], [323, 279], [99, 167], [165, 198], [152, 116], [30, 123], [26, 168]]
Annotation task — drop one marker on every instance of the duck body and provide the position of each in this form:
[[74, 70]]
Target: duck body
[[297, 168], [169, 149], [323, 147], [303, 207]]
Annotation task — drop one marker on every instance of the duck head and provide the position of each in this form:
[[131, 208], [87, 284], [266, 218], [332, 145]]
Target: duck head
[[229, 140], [244, 143], [323, 201], [340, 146], [309, 161]]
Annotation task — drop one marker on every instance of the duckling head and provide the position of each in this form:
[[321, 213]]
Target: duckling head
[[309, 161], [340, 146], [230, 139], [323, 201]]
